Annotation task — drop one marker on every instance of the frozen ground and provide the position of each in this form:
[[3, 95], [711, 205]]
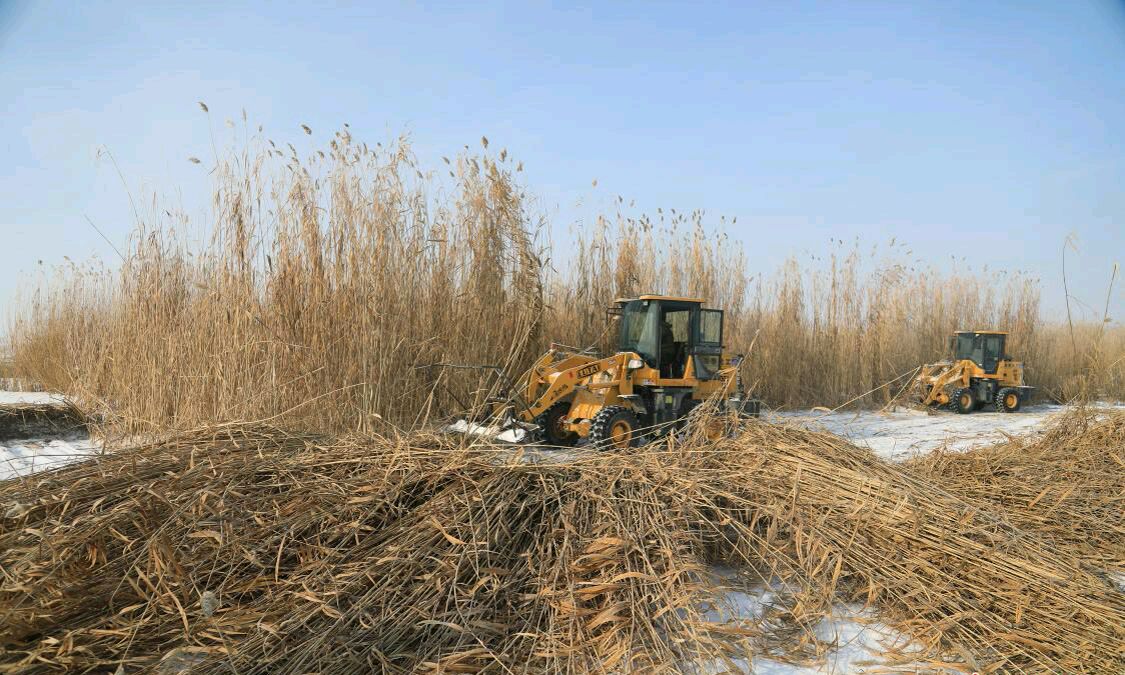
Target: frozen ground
[[860, 639], [14, 397], [905, 432], [22, 456]]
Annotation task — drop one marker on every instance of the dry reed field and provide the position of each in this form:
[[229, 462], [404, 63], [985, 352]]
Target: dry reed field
[[284, 505], [251, 550], [324, 284]]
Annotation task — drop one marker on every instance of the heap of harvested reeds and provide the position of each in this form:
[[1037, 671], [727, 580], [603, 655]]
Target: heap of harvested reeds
[[1067, 486], [36, 420], [250, 550]]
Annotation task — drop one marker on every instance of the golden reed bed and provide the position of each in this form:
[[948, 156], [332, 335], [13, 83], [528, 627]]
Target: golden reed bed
[[246, 549]]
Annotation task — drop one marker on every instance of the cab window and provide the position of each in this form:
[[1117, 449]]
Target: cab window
[[711, 327]]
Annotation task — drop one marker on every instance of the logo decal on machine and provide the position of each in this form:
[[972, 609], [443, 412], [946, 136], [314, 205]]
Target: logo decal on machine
[[589, 370]]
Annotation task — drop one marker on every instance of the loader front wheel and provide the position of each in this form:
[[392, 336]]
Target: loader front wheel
[[1008, 400], [552, 421], [614, 428], [963, 401]]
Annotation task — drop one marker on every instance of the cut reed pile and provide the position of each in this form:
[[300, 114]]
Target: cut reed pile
[[1067, 486], [36, 420], [247, 549]]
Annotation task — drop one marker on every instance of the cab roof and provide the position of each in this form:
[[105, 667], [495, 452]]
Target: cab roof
[[980, 332], [674, 298]]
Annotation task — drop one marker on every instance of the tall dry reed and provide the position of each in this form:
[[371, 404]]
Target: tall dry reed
[[324, 284]]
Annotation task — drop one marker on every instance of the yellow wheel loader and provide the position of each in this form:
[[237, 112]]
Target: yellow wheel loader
[[979, 374], [669, 360]]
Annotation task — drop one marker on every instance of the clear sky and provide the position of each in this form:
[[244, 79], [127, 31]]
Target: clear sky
[[988, 130]]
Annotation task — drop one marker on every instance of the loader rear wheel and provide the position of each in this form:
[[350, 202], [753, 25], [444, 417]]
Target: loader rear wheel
[[552, 421], [1007, 400], [963, 401], [614, 428]]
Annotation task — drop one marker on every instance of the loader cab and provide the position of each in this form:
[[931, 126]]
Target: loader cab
[[984, 348], [669, 331]]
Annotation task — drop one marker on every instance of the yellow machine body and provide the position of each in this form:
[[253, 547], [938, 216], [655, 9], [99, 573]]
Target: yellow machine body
[[979, 373], [670, 359]]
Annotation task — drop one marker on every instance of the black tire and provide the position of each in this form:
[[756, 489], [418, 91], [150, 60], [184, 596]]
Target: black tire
[[614, 428], [963, 401], [1008, 400], [549, 423]]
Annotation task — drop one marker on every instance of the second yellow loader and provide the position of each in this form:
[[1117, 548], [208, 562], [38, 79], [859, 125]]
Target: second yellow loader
[[980, 373]]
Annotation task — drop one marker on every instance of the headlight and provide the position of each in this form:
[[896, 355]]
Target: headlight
[[634, 364]]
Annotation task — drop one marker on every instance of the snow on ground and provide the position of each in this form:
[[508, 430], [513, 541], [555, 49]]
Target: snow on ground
[[859, 636], [19, 457], [25, 456], [905, 433], [1118, 580], [36, 397]]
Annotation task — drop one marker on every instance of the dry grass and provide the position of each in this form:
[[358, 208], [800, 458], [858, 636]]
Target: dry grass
[[39, 420], [1067, 486], [323, 283], [10, 376], [246, 549], [314, 296], [1088, 365], [824, 331]]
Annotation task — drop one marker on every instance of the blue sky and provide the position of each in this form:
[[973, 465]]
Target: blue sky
[[989, 130]]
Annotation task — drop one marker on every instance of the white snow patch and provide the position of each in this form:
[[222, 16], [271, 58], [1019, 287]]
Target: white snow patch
[[1118, 580], [19, 457], [25, 456], [513, 433], [860, 639], [33, 397], [905, 433]]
